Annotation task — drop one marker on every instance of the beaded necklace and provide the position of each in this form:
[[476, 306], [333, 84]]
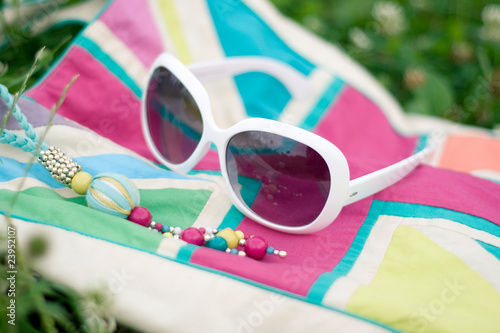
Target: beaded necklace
[[115, 194]]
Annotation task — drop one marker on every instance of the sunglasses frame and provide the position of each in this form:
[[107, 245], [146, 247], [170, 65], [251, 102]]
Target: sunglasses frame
[[342, 190]]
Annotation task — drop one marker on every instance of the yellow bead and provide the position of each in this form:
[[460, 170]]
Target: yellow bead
[[168, 235], [240, 234], [81, 182], [230, 236]]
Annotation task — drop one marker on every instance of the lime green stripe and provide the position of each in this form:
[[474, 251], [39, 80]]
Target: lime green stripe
[[175, 30]]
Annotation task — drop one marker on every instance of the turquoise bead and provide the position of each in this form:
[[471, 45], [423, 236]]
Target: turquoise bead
[[217, 243], [270, 250]]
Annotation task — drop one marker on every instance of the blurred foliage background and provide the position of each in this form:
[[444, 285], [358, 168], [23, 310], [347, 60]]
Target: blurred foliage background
[[440, 58]]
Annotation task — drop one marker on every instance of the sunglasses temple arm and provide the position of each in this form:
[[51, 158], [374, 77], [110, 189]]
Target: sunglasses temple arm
[[374, 182], [296, 82]]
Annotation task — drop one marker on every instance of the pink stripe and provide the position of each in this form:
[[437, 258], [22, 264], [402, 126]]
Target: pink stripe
[[448, 189], [361, 131], [98, 100], [209, 162], [131, 21], [308, 255]]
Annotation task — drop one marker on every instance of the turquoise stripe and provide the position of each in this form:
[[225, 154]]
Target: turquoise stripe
[[429, 212], [242, 32], [377, 208], [325, 280], [185, 252], [422, 143], [107, 61], [329, 97], [232, 219], [490, 248], [125, 165]]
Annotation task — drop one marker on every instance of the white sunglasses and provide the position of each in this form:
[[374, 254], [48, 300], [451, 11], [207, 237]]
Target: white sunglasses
[[279, 175]]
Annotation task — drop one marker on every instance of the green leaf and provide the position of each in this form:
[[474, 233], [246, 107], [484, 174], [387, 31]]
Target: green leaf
[[434, 97]]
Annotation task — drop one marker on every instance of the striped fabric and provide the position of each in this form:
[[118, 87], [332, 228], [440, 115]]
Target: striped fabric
[[420, 256]]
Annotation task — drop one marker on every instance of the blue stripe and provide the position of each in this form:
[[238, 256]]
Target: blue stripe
[[125, 165], [107, 61], [325, 280], [329, 97]]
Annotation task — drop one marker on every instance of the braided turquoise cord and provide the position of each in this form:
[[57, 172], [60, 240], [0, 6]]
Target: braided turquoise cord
[[28, 144]]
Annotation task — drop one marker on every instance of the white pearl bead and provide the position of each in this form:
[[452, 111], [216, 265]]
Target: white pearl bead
[[282, 254], [177, 231], [208, 230]]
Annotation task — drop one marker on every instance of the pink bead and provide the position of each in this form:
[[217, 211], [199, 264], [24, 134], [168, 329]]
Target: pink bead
[[192, 236], [255, 247], [202, 230], [158, 226], [141, 216]]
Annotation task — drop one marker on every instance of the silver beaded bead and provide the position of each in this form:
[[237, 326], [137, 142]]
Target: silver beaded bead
[[60, 166], [242, 242]]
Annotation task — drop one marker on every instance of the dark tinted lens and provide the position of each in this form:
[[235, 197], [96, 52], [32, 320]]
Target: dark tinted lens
[[281, 180], [174, 118]]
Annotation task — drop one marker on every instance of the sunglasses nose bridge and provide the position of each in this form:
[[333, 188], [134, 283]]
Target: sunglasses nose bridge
[[215, 135]]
